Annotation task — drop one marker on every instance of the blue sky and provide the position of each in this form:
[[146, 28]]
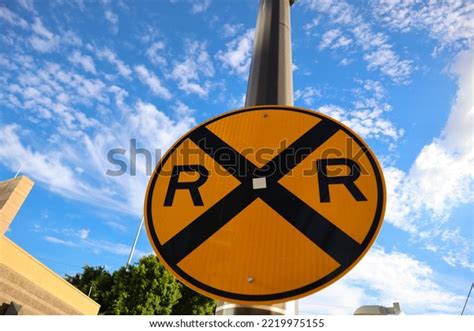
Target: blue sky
[[78, 78]]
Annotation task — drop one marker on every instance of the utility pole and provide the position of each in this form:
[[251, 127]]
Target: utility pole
[[270, 83]]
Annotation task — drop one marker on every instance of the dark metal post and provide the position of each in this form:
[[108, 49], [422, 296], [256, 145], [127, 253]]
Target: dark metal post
[[271, 77], [270, 83]]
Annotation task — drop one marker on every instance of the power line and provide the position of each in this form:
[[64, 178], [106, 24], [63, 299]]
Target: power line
[[467, 299]]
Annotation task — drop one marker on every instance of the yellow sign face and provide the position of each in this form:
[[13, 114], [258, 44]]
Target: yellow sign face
[[264, 204]]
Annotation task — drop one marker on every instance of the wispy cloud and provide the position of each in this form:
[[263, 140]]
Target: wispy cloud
[[309, 27], [238, 54], [58, 241], [307, 95], [84, 233], [334, 39], [80, 240], [44, 40], [450, 22], [230, 30], [195, 66], [113, 19], [367, 115], [44, 168], [377, 51], [74, 140], [50, 89], [199, 6], [377, 280], [421, 200], [12, 18], [153, 53], [108, 55], [153, 82], [27, 4], [84, 61]]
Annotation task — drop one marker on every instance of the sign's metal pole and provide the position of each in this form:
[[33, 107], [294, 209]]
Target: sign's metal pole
[[271, 77], [132, 251], [270, 83]]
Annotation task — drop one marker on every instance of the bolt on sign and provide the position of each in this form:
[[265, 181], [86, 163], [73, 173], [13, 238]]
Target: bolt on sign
[[264, 204]]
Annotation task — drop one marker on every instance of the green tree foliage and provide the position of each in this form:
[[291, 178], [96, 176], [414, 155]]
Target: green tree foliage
[[193, 303], [145, 288], [94, 280]]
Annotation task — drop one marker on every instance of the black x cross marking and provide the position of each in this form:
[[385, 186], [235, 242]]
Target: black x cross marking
[[309, 222]]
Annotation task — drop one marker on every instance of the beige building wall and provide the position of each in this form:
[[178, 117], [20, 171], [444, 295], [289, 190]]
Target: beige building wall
[[25, 280], [13, 193]]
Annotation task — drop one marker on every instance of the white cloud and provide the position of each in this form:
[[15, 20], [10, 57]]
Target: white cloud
[[44, 40], [309, 27], [182, 110], [99, 246], [382, 278], [230, 30], [378, 52], [12, 18], [342, 41], [448, 21], [152, 129], [307, 95], [199, 6], [153, 53], [345, 61], [328, 37], [188, 73], [117, 226], [441, 178], [458, 133], [334, 39], [387, 61], [238, 54], [120, 95], [41, 30], [236, 102], [80, 240], [111, 57], [51, 90], [27, 4], [55, 240], [77, 128], [366, 121], [43, 45], [83, 233], [367, 114], [153, 82], [155, 126], [84, 61], [46, 167], [71, 38], [113, 19]]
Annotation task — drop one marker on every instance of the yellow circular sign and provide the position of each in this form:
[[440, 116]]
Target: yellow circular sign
[[264, 204]]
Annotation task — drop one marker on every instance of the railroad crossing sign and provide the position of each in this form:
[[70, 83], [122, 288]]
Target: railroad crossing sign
[[264, 204]]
